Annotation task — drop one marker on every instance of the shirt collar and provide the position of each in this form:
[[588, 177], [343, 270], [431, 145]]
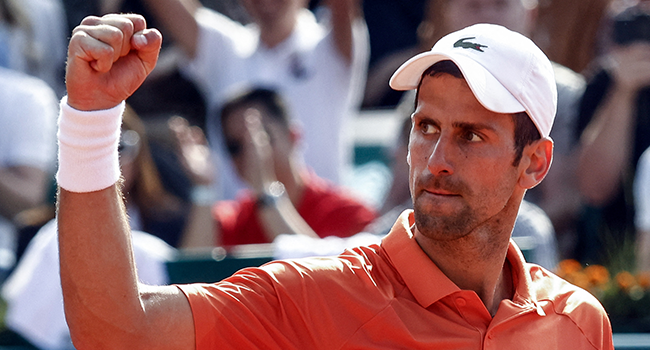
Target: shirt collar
[[422, 277], [425, 280]]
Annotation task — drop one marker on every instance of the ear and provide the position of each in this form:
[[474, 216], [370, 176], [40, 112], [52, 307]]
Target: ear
[[536, 161]]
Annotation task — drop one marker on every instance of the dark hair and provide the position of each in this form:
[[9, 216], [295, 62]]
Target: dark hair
[[268, 98], [525, 130]]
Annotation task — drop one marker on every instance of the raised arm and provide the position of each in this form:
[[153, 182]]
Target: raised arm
[[106, 308], [177, 17], [344, 14], [606, 144]]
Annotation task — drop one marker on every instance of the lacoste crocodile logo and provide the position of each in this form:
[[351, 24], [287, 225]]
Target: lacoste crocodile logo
[[469, 45]]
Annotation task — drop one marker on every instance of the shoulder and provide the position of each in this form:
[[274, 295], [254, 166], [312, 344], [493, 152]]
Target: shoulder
[[358, 273], [359, 278], [580, 306], [567, 297]]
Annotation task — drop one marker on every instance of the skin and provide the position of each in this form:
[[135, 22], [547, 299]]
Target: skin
[[105, 306], [558, 195], [465, 189]]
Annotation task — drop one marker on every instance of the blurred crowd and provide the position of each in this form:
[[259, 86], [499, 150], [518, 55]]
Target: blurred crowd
[[244, 131]]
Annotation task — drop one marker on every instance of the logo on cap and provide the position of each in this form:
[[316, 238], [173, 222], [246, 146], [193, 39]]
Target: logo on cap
[[469, 45]]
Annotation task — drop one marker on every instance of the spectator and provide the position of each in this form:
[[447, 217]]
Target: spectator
[[614, 123], [151, 207], [33, 39], [569, 31], [285, 197], [447, 276], [319, 67], [27, 152]]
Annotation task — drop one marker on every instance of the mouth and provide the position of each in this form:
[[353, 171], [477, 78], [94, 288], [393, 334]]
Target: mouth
[[441, 192]]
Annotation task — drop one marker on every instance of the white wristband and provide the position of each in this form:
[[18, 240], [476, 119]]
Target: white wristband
[[88, 156]]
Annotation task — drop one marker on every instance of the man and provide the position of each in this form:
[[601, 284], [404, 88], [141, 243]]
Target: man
[[614, 129], [319, 67], [557, 195], [447, 276], [284, 197]]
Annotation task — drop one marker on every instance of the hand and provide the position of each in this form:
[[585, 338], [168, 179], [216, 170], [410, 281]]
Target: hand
[[630, 66], [108, 59], [258, 154], [193, 151]]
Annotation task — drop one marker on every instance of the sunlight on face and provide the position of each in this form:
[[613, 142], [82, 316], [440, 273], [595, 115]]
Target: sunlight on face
[[461, 159]]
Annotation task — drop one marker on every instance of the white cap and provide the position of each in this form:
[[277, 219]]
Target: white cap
[[506, 71]]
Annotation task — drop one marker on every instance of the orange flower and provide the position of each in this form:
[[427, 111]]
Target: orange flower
[[598, 274], [568, 266], [580, 279], [625, 280], [644, 279]]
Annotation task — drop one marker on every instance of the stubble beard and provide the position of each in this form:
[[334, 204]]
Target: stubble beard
[[440, 226], [443, 227]]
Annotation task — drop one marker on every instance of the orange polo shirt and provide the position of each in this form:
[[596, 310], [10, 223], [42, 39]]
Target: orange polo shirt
[[390, 296]]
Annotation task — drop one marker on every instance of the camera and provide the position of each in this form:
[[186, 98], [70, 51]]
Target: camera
[[632, 25]]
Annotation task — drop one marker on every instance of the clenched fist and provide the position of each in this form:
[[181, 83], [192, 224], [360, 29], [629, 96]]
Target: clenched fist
[[108, 59]]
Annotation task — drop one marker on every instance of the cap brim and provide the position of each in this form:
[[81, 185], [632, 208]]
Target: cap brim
[[486, 88]]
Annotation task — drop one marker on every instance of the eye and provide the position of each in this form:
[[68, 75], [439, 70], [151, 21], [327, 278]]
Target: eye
[[471, 136], [428, 128]]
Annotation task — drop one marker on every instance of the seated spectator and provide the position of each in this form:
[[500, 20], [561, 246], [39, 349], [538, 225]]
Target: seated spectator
[[285, 197], [28, 108], [614, 124], [33, 39], [319, 66], [151, 207]]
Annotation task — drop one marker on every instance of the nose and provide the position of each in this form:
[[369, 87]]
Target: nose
[[439, 162]]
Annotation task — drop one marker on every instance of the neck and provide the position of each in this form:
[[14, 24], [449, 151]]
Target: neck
[[273, 33], [477, 261]]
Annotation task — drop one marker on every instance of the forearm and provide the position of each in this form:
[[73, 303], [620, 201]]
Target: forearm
[[200, 228], [283, 218], [344, 13], [177, 18], [21, 188], [605, 147]]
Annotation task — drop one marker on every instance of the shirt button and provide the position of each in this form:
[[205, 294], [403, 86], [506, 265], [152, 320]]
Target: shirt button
[[461, 302]]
